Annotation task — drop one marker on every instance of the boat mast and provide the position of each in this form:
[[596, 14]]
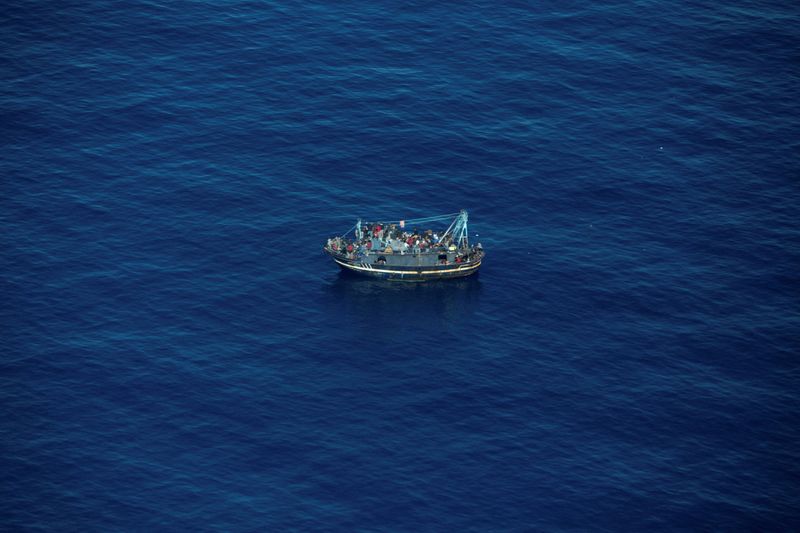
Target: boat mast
[[459, 230], [460, 234]]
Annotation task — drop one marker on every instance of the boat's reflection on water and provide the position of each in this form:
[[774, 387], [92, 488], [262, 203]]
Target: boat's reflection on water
[[382, 306]]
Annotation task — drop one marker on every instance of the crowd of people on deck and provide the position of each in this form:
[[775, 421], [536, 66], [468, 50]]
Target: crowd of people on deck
[[391, 239]]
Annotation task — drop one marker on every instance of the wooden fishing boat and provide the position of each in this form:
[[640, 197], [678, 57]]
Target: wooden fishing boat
[[403, 250]]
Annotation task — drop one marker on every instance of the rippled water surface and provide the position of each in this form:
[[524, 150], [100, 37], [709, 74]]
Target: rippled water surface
[[178, 354]]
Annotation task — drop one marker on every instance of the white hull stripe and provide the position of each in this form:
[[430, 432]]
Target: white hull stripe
[[369, 268]]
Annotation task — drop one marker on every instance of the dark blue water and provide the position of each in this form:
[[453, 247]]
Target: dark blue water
[[178, 354]]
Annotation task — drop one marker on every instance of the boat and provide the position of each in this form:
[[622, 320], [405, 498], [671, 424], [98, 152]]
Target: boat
[[408, 250]]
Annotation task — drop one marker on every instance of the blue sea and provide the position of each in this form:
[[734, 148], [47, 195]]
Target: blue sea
[[177, 353]]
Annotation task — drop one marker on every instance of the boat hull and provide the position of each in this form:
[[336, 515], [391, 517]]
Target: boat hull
[[408, 273]]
